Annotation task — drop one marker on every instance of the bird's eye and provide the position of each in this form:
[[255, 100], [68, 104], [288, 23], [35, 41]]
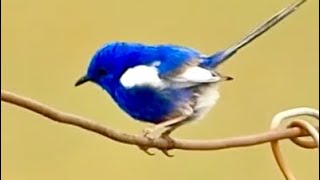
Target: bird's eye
[[102, 72]]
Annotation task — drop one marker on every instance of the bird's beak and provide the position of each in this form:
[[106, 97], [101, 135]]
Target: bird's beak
[[82, 80]]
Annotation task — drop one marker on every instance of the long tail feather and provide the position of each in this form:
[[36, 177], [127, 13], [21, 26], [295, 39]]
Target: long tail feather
[[222, 56]]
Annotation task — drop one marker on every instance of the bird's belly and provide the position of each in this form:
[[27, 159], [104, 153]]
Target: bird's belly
[[207, 97], [153, 106]]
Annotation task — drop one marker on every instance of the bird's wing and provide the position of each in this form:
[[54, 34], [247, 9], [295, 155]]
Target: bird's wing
[[176, 67], [190, 74]]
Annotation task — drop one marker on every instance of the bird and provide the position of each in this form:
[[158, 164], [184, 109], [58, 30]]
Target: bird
[[166, 85]]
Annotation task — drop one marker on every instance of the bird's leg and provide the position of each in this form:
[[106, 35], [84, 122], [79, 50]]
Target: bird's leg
[[163, 131], [164, 135]]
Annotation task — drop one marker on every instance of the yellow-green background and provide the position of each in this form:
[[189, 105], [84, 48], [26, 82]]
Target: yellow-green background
[[46, 46]]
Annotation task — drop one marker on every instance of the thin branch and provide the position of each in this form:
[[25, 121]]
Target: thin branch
[[115, 135]]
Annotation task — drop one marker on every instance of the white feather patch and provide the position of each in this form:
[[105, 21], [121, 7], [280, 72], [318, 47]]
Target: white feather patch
[[208, 98], [144, 75], [141, 75], [196, 74]]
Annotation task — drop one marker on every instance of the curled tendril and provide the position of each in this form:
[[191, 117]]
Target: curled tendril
[[276, 121]]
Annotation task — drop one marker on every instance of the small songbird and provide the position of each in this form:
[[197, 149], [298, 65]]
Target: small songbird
[[166, 85]]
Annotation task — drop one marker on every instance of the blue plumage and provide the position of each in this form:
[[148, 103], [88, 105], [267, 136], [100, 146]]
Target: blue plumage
[[166, 84], [125, 55], [143, 102], [150, 105]]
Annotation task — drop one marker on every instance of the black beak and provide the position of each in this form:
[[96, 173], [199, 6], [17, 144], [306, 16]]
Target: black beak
[[82, 80]]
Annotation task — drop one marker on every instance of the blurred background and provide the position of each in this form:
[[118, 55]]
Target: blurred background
[[47, 45]]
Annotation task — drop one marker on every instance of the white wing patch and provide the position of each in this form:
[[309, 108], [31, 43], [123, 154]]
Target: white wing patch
[[144, 75], [196, 74], [141, 75]]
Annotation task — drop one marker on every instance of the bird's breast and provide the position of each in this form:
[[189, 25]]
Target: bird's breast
[[149, 104], [155, 106]]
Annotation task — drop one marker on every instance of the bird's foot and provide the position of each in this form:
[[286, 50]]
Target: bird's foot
[[170, 142], [146, 150], [153, 133]]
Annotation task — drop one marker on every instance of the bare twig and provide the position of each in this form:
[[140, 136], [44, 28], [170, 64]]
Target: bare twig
[[93, 126]]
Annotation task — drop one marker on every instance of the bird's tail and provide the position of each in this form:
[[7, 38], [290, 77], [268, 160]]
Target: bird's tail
[[222, 56]]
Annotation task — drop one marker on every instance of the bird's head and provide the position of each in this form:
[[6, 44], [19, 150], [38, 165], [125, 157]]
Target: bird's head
[[106, 65]]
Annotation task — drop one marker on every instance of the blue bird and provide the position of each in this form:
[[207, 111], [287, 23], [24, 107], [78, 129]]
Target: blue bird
[[167, 85]]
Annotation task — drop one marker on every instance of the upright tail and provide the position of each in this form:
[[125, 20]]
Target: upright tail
[[222, 56]]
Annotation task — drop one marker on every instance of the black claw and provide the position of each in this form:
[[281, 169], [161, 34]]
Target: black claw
[[165, 152], [146, 150]]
